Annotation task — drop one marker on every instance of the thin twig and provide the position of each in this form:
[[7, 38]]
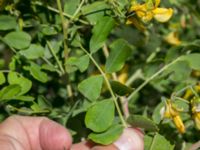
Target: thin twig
[[78, 10], [153, 141], [151, 78], [50, 64], [114, 76], [109, 87], [137, 74], [64, 27], [57, 11], [56, 58]]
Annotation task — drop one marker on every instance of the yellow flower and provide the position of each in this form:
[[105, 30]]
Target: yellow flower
[[142, 12], [172, 38], [146, 12], [196, 117], [196, 73], [138, 24], [123, 75], [189, 93], [173, 113], [179, 124], [195, 102], [162, 14]]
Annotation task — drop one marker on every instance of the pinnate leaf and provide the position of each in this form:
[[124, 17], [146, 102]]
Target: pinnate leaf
[[120, 51], [108, 136], [91, 87], [18, 39], [100, 116], [142, 122], [100, 32]]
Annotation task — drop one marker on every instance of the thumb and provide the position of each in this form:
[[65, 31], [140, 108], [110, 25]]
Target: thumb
[[10, 143], [54, 136]]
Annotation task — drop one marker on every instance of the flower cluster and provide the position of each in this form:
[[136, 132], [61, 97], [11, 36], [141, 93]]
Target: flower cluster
[[146, 12], [192, 98], [172, 112]]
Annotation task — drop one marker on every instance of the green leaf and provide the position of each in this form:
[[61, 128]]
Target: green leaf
[[2, 78], [120, 88], [24, 83], [33, 52], [100, 32], [81, 63], [91, 87], [147, 142], [159, 143], [43, 102], [179, 71], [49, 67], [100, 116], [13, 63], [49, 30], [142, 122], [56, 47], [107, 137], [71, 6], [157, 112], [83, 108], [24, 98], [9, 92], [95, 11], [7, 22], [18, 39], [120, 51], [35, 107], [37, 73], [193, 60]]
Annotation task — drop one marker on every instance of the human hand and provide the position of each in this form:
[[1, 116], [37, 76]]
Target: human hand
[[40, 133]]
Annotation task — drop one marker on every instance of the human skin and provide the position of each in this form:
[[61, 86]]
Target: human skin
[[40, 133]]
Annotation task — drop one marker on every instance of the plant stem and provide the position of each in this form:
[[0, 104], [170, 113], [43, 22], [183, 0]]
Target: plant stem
[[115, 4], [50, 64], [114, 76], [151, 78], [64, 27], [181, 99], [109, 87], [77, 10], [152, 143], [57, 11], [194, 92], [27, 111], [56, 58], [136, 75]]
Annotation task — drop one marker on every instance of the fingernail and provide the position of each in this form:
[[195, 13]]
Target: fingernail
[[131, 139]]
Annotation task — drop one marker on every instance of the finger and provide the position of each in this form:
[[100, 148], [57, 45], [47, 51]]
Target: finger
[[54, 136], [10, 143], [36, 133], [85, 145], [131, 139], [108, 147], [12, 132]]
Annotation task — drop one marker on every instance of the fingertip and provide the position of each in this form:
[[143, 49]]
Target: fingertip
[[53, 136], [131, 139], [85, 145], [108, 147]]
